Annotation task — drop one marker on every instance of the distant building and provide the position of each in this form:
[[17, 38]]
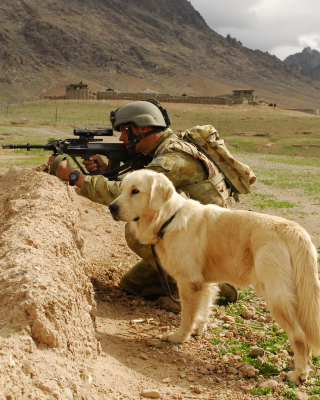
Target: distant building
[[73, 86], [79, 91], [243, 94]]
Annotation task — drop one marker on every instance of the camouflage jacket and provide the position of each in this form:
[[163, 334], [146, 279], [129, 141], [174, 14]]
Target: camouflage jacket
[[181, 162]]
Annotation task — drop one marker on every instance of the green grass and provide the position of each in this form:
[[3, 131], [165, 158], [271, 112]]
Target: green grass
[[272, 203], [266, 368], [270, 341], [289, 394], [260, 391]]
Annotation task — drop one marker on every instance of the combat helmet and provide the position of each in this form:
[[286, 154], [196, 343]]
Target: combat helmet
[[142, 113]]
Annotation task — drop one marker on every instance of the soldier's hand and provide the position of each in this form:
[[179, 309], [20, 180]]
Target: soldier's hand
[[63, 170], [91, 164]]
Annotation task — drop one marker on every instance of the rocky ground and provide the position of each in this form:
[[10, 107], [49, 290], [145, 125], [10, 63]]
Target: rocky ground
[[67, 331]]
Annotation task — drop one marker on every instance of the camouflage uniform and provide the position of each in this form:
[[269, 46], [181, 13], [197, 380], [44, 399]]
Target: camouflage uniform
[[188, 170]]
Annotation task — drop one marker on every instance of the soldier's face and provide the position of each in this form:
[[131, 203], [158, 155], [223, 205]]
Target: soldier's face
[[136, 130]]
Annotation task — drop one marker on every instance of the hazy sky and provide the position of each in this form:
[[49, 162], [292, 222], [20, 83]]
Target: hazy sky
[[280, 27]]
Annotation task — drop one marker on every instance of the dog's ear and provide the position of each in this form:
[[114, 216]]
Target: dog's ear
[[161, 191]]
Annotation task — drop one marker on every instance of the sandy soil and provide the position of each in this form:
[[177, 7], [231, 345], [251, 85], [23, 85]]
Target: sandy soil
[[67, 331]]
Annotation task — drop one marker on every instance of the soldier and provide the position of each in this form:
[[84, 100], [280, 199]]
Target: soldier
[[144, 127]]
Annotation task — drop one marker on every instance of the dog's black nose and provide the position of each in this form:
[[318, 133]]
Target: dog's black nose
[[113, 207]]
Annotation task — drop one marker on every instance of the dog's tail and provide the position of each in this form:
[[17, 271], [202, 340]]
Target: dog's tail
[[305, 275]]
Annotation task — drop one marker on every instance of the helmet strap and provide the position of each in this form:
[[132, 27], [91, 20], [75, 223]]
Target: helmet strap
[[134, 139]]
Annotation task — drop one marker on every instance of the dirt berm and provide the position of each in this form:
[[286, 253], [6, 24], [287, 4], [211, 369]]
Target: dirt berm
[[47, 306]]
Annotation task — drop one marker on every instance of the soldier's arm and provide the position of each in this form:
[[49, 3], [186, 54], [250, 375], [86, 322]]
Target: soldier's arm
[[100, 189]]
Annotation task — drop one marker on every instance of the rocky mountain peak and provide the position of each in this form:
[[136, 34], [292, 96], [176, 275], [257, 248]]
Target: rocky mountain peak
[[131, 45]]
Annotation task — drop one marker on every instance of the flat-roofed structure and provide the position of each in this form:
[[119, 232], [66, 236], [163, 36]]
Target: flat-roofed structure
[[243, 94]]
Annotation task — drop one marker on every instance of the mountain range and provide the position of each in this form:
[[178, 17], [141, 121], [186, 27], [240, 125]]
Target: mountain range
[[308, 61], [132, 45]]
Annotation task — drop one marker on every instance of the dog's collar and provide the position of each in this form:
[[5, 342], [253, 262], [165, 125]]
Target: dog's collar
[[160, 234]]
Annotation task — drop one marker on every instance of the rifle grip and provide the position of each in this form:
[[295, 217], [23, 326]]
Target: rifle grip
[[112, 164], [97, 171]]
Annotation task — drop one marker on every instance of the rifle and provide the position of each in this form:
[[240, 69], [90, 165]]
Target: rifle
[[86, 146]]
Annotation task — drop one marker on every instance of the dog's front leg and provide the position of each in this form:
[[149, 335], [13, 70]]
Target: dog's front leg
[[191, 294]]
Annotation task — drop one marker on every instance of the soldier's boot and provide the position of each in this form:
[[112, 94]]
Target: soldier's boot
[[143, 280], [169, 305], [229, 292]]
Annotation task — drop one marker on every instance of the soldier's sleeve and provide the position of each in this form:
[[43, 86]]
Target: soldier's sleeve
[[182, 169], [99, 189]]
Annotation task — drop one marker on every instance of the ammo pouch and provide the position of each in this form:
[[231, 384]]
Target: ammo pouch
[[210, 191]]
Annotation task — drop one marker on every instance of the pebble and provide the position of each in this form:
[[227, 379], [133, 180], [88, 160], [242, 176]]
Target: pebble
[[271, 384], [203, 371], [164, 328], [196, 389], [151, 394], [247, 314], [247, 389], [255, 352], [302, 396], [249, 370], [166, 380], [213, 326], [227, 318], [283, 376], [232, 370]]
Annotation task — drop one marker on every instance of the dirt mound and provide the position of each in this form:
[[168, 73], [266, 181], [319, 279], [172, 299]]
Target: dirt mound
[[47, 306]]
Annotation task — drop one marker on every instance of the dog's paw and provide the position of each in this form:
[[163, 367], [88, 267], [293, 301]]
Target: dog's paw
[[199, 329], [298, 377], [174, 337]]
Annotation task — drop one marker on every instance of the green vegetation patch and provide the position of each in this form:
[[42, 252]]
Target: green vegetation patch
[[269, 201]]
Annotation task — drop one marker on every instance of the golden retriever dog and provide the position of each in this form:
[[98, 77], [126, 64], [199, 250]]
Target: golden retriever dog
[[207, 244]]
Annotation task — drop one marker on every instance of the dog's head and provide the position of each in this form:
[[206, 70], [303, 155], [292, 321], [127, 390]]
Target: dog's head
[[143, 192]]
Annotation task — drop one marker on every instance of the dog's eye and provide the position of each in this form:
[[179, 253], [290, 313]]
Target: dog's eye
[[134, 191]]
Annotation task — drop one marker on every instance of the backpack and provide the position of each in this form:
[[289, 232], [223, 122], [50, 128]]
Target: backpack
[[239, 175]]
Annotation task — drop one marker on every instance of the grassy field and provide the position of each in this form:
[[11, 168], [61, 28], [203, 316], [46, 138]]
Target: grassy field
[[250, 129]]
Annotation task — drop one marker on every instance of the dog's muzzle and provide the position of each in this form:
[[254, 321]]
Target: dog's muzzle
[[114, 209]]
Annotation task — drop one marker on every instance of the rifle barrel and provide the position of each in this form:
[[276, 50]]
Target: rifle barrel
[[28, 146]]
